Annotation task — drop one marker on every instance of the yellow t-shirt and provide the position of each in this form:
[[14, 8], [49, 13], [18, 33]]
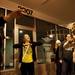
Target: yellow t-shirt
[[27, 56]]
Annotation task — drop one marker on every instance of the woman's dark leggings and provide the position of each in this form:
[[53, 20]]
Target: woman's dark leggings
[[27, 68]]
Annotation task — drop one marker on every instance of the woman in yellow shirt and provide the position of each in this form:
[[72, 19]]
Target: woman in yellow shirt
[[27, 55]]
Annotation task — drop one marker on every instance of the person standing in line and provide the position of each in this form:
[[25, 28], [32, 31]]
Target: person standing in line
[[58, 58], [27, 55], [67, 55], [73, 34]]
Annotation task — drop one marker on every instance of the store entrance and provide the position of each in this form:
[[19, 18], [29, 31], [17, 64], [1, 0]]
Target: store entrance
[[21, 30]]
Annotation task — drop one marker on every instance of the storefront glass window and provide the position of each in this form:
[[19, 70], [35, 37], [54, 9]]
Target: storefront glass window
[[7, 52], [43, 29], [9, 61]]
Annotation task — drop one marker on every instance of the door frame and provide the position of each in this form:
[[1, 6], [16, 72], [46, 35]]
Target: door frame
[[16, 30]]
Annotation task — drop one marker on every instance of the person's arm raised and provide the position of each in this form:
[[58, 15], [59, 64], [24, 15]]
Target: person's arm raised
[[13, 14]]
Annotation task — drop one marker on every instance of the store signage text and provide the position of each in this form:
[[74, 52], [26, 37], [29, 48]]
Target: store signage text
[[26, 10]]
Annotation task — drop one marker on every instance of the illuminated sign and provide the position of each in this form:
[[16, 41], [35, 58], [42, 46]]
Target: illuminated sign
[[25, 10]]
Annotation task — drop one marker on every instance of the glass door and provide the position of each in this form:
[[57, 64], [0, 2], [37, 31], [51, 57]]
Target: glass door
[[21, 30]]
